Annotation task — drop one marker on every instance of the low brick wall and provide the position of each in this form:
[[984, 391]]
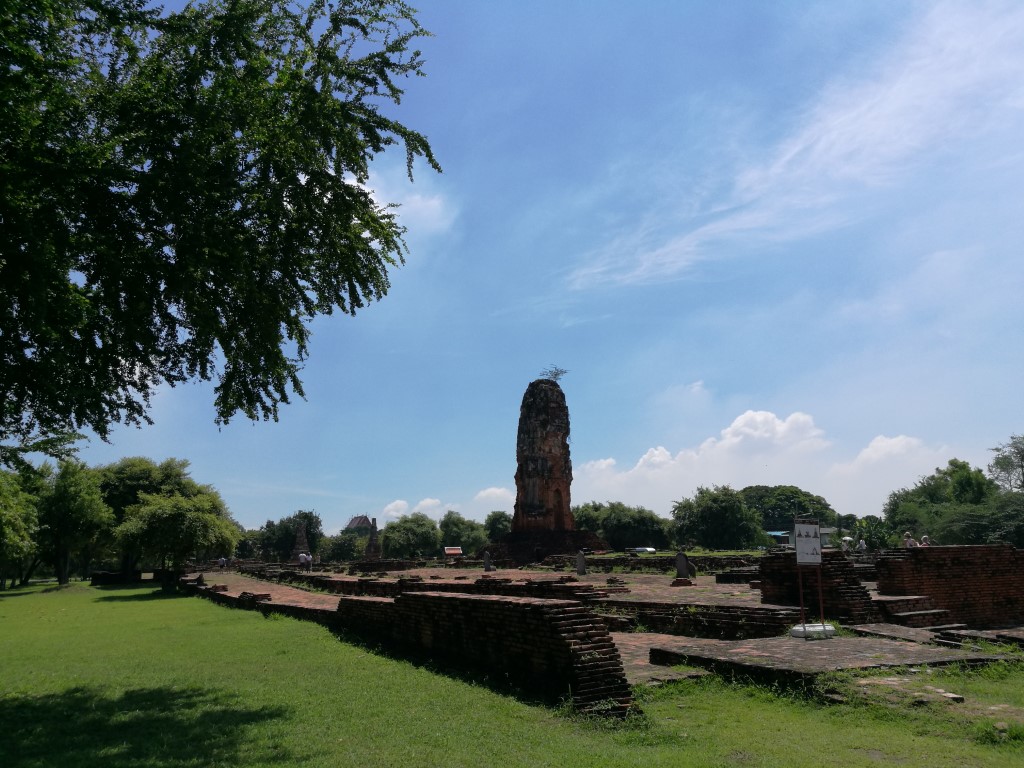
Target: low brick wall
[[549, 647], [721, 622], [704, 564], [981, 586], [568, 588]]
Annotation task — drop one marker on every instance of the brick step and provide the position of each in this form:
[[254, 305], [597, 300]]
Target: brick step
[[918, 618]]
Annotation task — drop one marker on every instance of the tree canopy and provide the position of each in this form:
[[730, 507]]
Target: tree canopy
[[170, 529], [717, 518], [182, 193], [72, 514], [414, 535], [622, 526], [458, 531], [497, 524], [1007, 467], [956, 504], [778, 505]]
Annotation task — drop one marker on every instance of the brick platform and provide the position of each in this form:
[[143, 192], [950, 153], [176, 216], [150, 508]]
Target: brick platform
[[791, 660], [777, 658]]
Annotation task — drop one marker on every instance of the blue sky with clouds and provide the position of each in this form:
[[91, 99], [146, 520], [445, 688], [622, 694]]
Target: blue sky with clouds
[[773, 243]]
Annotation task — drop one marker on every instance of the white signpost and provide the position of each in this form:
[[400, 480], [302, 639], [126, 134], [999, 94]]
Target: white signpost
[[807, 535], [808, 544]]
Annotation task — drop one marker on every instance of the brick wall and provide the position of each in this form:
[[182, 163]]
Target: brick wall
[[549, 647], [844, 596], [982, 586]]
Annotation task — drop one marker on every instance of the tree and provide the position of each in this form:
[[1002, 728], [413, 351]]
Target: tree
[[948, 503], [590, 516], [497, 524], [414, 535], [171, 529], [1007, 467], [18, 526], [181, 195], [279, 538], [716, 518], [72, 514], [622, 526], [877, 534], [125, 482], [347, 545], [778, 505], [457, 531]]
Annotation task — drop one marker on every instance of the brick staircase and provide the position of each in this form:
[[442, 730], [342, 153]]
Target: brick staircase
[[910, 610]]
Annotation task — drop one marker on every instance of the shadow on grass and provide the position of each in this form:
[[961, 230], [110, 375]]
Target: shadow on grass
[[152, 727], [451, 667], [136, 596]]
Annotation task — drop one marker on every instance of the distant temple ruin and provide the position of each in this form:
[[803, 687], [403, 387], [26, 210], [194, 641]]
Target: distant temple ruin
[[542, 523]]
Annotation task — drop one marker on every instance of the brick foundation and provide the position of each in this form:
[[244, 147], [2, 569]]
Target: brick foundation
[[981, 586], [548, 647]]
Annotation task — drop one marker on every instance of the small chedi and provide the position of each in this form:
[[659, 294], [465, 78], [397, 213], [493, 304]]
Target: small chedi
[[542, 523]]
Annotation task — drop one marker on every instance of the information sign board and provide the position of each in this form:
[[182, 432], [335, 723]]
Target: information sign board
[[808, 544]]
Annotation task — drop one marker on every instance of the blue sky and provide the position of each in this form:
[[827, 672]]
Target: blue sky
[[772, 243]]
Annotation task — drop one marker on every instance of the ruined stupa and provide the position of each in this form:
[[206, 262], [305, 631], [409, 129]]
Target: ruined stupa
[[542, 523], [543, 466]]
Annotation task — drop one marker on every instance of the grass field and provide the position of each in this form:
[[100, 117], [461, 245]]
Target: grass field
[[127, 677]]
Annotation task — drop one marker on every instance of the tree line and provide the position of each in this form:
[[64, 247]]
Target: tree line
[[68, 518]]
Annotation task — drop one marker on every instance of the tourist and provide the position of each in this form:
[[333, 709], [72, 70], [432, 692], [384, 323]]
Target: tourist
[[222, 562], [309, 562], [862, 547], [908, 540], [302, 561], [924, 542]]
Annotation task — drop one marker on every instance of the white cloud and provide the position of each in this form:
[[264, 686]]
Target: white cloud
[[421, 210], [759, 448], [396, 508], [495, 494], [958, 73]]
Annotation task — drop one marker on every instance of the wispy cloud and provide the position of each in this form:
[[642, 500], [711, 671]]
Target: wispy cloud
[[956, 74]]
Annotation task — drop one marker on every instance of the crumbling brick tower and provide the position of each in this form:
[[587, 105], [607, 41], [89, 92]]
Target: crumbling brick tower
[[543, 467]]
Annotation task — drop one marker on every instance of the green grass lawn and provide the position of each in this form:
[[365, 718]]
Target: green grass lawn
[[127, 677]]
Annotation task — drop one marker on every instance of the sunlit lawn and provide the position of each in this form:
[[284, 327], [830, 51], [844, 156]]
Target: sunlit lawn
[[126, 677]]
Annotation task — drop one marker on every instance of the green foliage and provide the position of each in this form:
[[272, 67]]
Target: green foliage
[[956, 504], [778, 505], [73, 517], [347, 545], [622, 526], [414, 535], [553, 372], [171, 529], [877, 534], [126, 482], [716, 518], [457, 531], [497, 524], [1007, 467], [18, 526], [277, 539], [181, 195]]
